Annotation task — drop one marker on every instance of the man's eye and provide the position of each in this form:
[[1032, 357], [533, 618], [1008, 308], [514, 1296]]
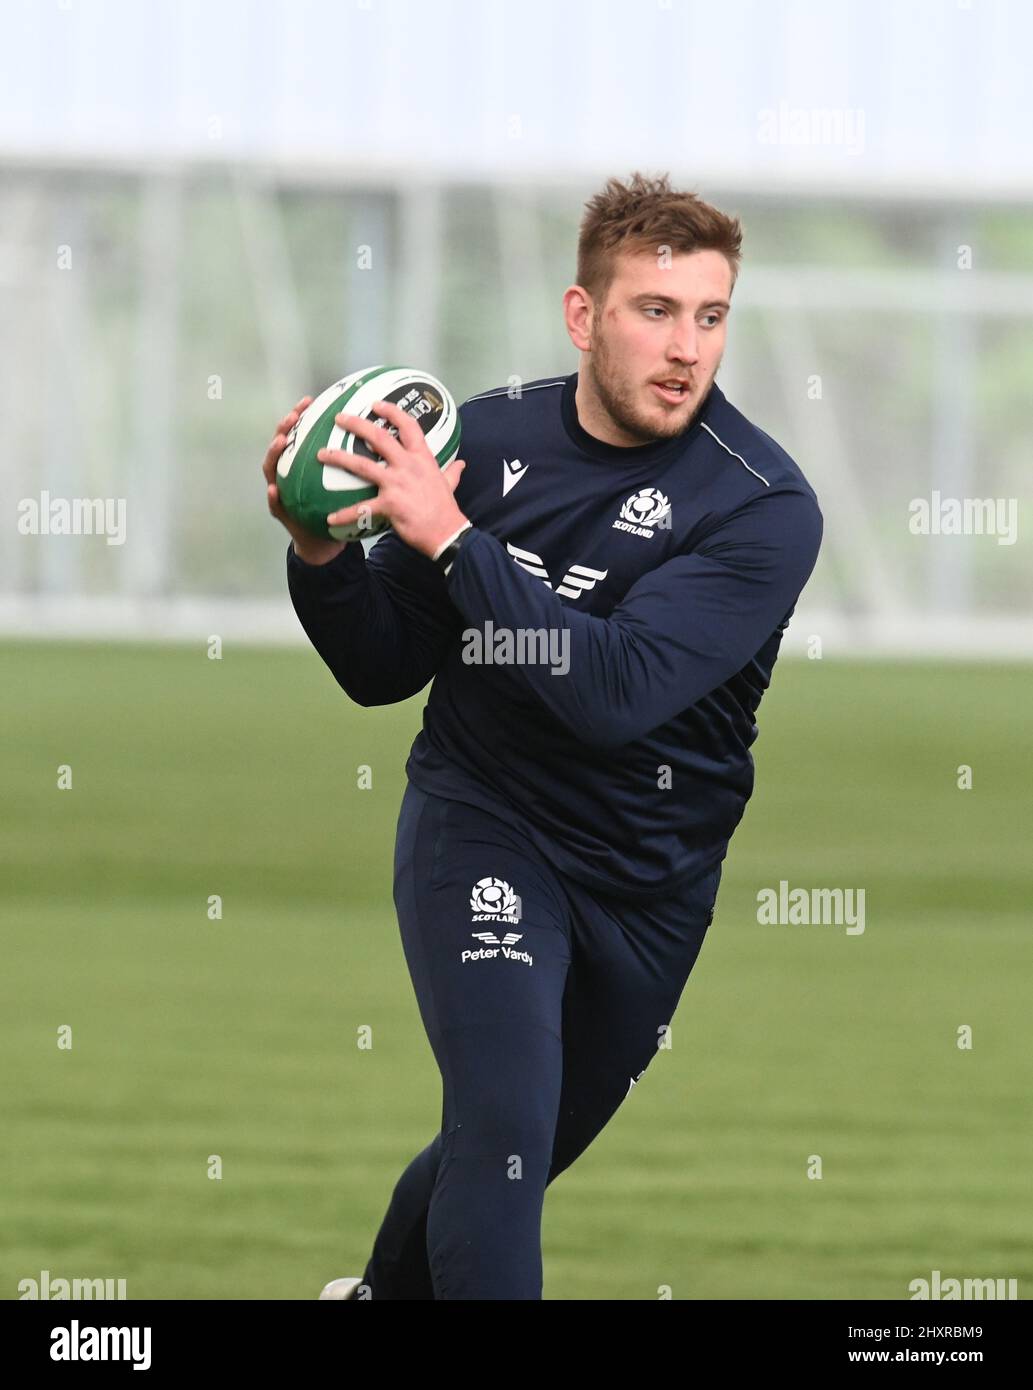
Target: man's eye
[[655, 308]]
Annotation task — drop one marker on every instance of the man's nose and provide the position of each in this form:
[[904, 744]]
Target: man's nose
[[684, 346]]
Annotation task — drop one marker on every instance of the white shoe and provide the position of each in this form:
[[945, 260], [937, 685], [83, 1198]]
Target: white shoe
[[340, 1288]]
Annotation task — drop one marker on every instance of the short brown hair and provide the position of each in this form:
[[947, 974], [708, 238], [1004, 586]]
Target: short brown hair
[[641, 216]]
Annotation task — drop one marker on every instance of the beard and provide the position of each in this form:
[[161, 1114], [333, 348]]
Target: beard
[[621, 400]]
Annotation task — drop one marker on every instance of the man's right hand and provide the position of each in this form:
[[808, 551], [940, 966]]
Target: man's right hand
[[314, 550]]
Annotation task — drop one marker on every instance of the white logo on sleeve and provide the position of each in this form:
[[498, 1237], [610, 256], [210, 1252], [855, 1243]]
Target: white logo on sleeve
[[642, 511], [512, 471], [577, 580]]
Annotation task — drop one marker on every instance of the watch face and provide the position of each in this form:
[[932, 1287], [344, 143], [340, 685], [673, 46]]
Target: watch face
[[452, 549]]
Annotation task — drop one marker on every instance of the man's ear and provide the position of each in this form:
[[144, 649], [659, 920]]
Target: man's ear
[[578, 314]]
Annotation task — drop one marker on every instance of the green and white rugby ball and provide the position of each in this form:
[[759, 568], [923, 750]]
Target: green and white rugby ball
[[310, 490]]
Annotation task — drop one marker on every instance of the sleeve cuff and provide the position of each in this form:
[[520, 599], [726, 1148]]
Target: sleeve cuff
[[466, 526], [333, 569]]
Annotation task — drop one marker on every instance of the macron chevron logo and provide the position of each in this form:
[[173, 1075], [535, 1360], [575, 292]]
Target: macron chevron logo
[[512, 471]]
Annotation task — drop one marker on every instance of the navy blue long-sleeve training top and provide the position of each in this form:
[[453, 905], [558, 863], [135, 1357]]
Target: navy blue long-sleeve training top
[[645, 591]]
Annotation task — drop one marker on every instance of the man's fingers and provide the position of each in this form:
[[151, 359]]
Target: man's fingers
[[274, 451], [348, 515], [376, 436], [409, 431], [454, 471], [272, 493], [293, 416], [370, 469]]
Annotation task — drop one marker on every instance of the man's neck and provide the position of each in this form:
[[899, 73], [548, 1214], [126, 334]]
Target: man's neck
[[595, 420]]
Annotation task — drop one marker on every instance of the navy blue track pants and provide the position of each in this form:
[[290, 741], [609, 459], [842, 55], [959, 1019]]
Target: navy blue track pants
[[543, 1001]]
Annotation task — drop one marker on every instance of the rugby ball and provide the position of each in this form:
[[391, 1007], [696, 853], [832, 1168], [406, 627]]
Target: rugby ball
[[310, 490]]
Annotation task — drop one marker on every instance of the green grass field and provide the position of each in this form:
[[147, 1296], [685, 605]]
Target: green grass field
[[238, 1037]]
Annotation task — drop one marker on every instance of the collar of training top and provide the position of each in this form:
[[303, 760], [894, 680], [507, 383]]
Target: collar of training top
[[634, 453]]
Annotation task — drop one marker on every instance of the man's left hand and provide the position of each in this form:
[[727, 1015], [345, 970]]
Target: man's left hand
[[415, 493]]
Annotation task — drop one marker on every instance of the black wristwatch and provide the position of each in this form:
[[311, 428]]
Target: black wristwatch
[[444, 556]]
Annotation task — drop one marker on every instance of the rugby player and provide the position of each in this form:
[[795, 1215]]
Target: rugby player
[[598, 592]]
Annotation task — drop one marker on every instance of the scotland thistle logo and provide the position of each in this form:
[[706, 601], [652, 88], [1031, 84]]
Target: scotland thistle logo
[[492, 900], [643, 510]]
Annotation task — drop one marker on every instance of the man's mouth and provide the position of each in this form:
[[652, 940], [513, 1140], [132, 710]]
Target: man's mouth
[[672, 390]]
